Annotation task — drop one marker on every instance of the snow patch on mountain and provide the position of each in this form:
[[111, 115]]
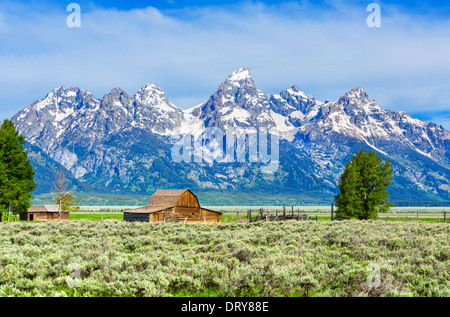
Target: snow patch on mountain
[[237, 114], [240, 75]]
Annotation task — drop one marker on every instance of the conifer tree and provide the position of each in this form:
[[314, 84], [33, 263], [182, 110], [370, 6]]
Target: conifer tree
[[363, 187], [16, 172]]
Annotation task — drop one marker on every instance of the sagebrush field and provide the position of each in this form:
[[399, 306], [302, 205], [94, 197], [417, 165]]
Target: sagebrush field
[[114, 258]]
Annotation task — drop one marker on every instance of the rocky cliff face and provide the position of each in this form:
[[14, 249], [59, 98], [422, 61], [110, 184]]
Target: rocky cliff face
[[123, 143]]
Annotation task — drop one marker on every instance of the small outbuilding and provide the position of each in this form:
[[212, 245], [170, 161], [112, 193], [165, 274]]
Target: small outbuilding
[[44, 213], [173, 206]]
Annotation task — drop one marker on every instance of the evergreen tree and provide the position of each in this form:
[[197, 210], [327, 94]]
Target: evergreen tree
[[348, 200], [16, 172], [363, 187]]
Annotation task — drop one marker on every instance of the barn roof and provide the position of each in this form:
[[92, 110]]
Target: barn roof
[[145, 210], [44, 208], [162, 199], [165, 198]]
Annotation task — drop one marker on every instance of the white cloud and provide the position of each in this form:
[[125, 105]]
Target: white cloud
[[404, 65]]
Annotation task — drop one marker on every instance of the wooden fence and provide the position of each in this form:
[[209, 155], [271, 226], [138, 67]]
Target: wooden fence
[[289, 214], [262, 215]]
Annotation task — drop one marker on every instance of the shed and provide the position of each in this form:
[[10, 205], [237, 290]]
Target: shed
[[173, 206], [44, 213]]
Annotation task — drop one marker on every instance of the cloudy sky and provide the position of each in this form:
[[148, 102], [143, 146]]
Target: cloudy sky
[[189, 47]]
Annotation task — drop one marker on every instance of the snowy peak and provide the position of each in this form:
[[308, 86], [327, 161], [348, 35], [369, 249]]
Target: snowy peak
[[57, 105], [241, 76], [297, 92], [357, 97], [152, 96], [118, 100], [56, 97], [357, 93], [154, 112], [296, 104], [238, 85], [149, 94], [237, 103], [116, 93]]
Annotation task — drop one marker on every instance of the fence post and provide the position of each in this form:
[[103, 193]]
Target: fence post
[[332, 212], [445, 216]]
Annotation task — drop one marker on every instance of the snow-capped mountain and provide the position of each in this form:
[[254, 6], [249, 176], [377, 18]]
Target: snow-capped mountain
[[237, 103], [122, 143]]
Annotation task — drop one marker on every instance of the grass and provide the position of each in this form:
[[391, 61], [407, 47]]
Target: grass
[[78, 217], [231, 217], [95, 217], [305, 258]]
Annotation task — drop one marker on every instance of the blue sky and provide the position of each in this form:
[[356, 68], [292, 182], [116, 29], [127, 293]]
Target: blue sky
[[188, 48]]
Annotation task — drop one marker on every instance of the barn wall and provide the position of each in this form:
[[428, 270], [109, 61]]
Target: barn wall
[[193, 215], [188, 199], [159, 216], [43, 216], [131, 217], [211, 216]]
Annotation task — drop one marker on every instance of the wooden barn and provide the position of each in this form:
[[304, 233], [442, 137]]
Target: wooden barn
[[173, 206], [44, 213]]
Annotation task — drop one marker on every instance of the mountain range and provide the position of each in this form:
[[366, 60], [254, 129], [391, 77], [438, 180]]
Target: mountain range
[[121, 144]]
